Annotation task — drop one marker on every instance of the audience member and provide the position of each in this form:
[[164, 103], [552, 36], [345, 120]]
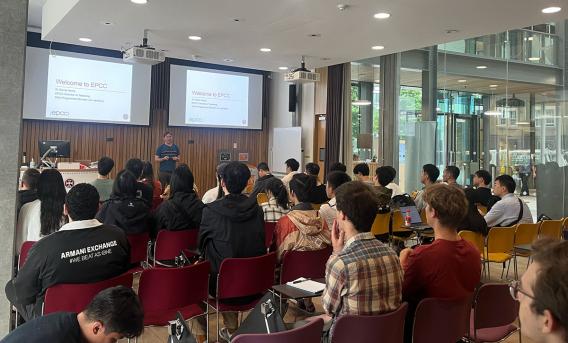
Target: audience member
[[473, 221], [216, 192], [361, 173], [124, 209], [392, 185], [183, 209], [264, 175], [28, 187], [82, 251], [483, 195], [450, 175], [231, 227], [543, 293], [319, 195], [429, 176], [277, 205], [292, 167], [338, 166], [103, 183], [383, 177], [510, 210], [328, 211], [43, 216], [148, 179], [143, 191], [115, 313]]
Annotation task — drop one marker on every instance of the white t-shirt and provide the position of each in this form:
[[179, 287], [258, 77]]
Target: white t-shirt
[[29, 223], [395, 189], [210, 195]]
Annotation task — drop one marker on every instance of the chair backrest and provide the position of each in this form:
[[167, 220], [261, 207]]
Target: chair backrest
[[24, 252], [474, 238], [565, 228], [364, 329], [381, 224], [526, 233], [239, 277], [171, 288], [269, 228], [316, 206], [67, 297], [261, 198], [308, 264], [501, 240], [309, 333], [169, 244], [156, 201], [551, 229], [397, 221], [138, 247], [423, 216], [493, 306], [482, 209], [441, 320]]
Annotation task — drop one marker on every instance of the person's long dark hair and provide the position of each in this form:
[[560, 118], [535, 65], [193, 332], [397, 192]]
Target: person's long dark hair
[[278, 190], [182, 180], [220, 168], [148, 173], [124, 185], [51, 193]]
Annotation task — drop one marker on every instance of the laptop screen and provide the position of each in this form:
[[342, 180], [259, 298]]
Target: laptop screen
[[414, 215]]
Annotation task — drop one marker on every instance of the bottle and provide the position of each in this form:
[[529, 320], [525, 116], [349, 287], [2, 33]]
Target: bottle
[[407, 219], [24, 159], [32, 163]]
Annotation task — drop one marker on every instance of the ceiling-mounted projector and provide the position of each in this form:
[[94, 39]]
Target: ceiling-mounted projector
[[302, 74], [144, 53]]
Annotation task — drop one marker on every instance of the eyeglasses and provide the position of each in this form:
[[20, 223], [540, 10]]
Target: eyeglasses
[[515, 289]]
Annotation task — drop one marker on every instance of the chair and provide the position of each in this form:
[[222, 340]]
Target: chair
[[364, 329], [156, 201], [381, 224], [165, 291], [423, 216], [398, 231], [138, 249], [551, 229], [309, 333], [24, 252], [269, 228], [243, 277], [261, 198], [169, 244], [316, 206], [441, 320], [500, 246], [493, 314], [475, 238], [68, 297], [482, 209], [524, 234], [308, 264], [565, 228]]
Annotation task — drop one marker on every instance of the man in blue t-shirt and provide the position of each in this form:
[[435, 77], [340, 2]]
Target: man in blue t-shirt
[[167, 154]]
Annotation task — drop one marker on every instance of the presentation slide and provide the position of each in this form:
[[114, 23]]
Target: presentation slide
[[216, 99], [201, 97], [88, 90]]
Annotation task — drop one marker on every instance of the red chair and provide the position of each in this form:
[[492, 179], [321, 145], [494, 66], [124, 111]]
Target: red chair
[[156, 201], [309, 333], [169, 244], [269, 228], [165, 291], [441, 320], [364, 329], [68, 297], [308, 264], [243, 277], [493, 315], [24, 252], [138, 249]]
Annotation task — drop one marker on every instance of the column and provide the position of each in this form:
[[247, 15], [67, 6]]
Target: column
[[389, 98], [430, 86]]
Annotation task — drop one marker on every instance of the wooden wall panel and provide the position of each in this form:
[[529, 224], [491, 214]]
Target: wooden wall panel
[[321, 91]]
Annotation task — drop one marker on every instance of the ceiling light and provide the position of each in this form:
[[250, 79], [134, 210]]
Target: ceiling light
[[377, 47], [382, 15], [194, 38], [139, 2], [493, 86], [283, 68], [552, 9], [481, 67], [492, 113], [534, 58], [361, 103], [265, 50], [462, 81], [228, 60], [86, 40]]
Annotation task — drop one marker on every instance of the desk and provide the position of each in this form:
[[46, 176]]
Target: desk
[[290, 292], [71, 177]]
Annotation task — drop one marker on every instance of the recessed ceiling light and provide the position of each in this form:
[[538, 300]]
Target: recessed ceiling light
[[553, 9], [534, 58], [493, 86], [462, 81], [107, 23], [481, 67], [382, 15], [228, 60], [86, 40], [377, 47], [194, 38], [265, 49], [139, 2], [283, 68]]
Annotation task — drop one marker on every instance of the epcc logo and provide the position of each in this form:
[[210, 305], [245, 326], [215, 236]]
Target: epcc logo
[[60, 113]]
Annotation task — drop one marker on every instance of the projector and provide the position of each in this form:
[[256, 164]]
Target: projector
[[301, 76], [144, 55]]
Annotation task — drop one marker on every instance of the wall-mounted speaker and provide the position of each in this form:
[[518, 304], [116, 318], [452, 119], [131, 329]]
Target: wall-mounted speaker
[[292, 98]]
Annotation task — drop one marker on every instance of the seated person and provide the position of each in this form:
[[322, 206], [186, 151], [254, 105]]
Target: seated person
[[542, 293], [395, 188], [473, 221], [328, 211], [319, 195], [361, 172], [183, 209], [277, 205], [232, 226], [264, 175], [103, 183], [143, 191], [115, 313], [70, 254], [510, 210], [292, 167], [302, 228], [383, 177], [338, 166], [148, 179], [450, 175], [216, 192], [483, 195], [429, 176], [124, 209], [28, 187]]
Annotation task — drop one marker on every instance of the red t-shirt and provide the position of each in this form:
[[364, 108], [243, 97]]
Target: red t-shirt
[[443, 269]]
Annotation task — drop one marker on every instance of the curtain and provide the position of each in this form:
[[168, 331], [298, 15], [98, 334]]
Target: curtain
[[334, 117]]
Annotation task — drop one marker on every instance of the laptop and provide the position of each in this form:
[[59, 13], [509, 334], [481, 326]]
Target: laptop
[[416, 223]]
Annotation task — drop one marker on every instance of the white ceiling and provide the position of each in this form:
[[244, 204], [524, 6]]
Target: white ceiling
[[285, 26]]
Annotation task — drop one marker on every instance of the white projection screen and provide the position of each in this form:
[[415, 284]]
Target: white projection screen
[[201, 97], [68, 86]]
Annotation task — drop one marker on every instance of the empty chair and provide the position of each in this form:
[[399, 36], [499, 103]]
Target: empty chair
[[493, 315], [24, 252], [308, 264], [441, 320], [169, 244], [138, 249], [524, 234], [261, 198], [475, 238], [269, 228], [551, 229], [500, 245], [67, 297], [366, 329], [309, 333]]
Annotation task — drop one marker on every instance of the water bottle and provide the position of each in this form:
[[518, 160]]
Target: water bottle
[[407, 219], [32, 163]]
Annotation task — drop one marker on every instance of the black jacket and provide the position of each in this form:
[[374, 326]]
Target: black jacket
[[181, 212], [260, 185], [25, 196], [319, 195], [131, 215], [232, 226], [145, 192]]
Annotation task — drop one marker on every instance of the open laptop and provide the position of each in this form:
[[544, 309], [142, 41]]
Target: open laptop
[[416, 223]]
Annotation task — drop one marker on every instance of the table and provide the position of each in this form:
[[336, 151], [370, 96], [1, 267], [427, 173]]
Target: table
[[293, 293]]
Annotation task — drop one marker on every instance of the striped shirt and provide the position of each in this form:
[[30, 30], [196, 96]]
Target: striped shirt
[[365, 278], [272, 211]]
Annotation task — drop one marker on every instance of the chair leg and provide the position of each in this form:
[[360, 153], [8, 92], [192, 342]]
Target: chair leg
[[503, 271], [516, 271], [508, 266], [488, 271]]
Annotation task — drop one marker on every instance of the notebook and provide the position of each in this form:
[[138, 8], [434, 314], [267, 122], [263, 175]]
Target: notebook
[[307, 285]]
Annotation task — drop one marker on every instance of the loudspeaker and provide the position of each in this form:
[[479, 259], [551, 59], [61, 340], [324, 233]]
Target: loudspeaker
[[292, 98]]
